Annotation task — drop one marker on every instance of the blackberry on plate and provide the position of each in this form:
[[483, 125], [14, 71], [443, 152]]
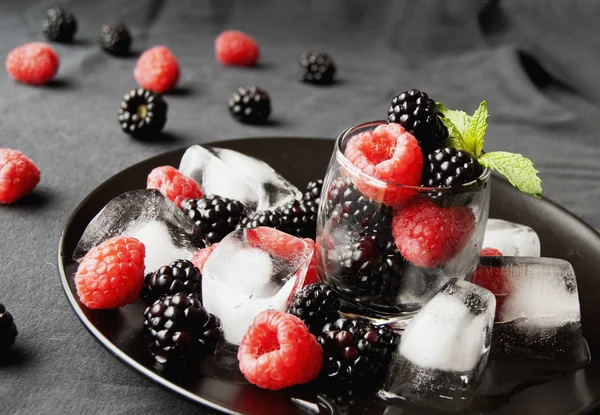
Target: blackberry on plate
[[300, 218], [313, 191], [8, 329], [250, 104], [214, 216], [316, 68], [271, 219], [316, 305], [59, 25], [357, 353], [418, 114], [180, 328], [447, 167], [115, 39], [178, 276], [143, 113]]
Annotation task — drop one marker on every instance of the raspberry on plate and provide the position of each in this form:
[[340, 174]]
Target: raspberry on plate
[[32, 63], [388, 153], [200, 257], [233, 47], [492, 278], [428, 235], [18, 175], [111, 274], [174, 185], [490, 252], [312, 274], [157, 69], [278, 351]]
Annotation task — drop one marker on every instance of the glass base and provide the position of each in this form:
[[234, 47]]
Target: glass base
[[398, 322]]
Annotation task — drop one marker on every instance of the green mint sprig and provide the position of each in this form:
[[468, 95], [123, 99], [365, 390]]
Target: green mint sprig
[[466, 132]]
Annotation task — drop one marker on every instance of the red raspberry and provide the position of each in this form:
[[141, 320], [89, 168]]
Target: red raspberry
[[200, 257], [312, 275], [278, 351], [490, 252], [236, 48], [174, 185], [32, 63], [388, 153], [111, 274], [428, 235], [18, 175], [157, 69]]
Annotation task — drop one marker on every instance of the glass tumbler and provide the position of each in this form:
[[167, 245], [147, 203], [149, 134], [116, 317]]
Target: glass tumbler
[[387, 248]]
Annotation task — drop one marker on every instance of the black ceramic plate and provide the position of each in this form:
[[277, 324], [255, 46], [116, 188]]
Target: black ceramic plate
[[301, 160]]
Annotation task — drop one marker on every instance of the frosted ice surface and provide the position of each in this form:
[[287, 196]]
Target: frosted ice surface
[[512, 239], [245, 275], [148, 216]]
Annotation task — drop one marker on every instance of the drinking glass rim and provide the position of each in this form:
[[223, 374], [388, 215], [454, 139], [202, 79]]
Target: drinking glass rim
[[356, 172]]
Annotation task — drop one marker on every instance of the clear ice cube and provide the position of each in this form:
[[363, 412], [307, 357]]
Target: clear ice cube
[[235, 175], [512, 239], [444, 348], [252, 270], [538, 313], [148, 216]]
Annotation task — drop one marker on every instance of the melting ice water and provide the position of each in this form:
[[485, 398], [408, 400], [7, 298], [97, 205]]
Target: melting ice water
[[512, 239], [148, 216], [237, 176], [247, 274]]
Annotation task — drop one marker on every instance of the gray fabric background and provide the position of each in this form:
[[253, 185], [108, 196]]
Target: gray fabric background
[[461, 52]]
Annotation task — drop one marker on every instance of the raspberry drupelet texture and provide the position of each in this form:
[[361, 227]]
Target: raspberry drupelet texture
[[388, 153], [278, 351], [18, 175], [233, 47], [178, 276], [32, 63], [174, 185], [111, 274], [428, 235], [180, 328], [157, 69]]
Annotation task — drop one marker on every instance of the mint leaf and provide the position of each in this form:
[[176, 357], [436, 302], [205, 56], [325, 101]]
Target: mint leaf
[[456, 122], [475, 130], [519, 170], [460, 119], [454, 136]]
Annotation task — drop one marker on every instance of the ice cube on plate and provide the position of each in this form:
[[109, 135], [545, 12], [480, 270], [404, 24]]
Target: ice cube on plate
[[538, 314], [252, 270], [231, 174], [512, 239], [445, 347], [148, 216], [215, 177]]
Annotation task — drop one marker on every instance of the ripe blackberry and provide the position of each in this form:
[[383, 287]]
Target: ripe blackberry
[[316, 305], [313, 191], [359, 259], [316, 68], [418, 114], [8, 329], [357, 353], [178, 276], [143, 113], [180, 328], [300, 218], [214, 216], [115, 39], [271, 219], [59, 25], [447, 167], [250, 104]]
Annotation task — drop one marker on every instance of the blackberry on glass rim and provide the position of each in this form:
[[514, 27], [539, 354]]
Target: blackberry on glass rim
[[385, 245]]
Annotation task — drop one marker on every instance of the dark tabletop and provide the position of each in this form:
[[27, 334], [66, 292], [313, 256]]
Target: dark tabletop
[[536, 62]]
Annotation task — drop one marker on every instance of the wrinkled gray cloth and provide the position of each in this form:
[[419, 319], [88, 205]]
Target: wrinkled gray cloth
[[534, 61]]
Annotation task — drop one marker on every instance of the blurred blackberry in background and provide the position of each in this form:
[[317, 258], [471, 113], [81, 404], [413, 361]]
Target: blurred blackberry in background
[[8, 329], [143, 113], [60, 25], [250, 104], [115, 39], [316, 68]]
